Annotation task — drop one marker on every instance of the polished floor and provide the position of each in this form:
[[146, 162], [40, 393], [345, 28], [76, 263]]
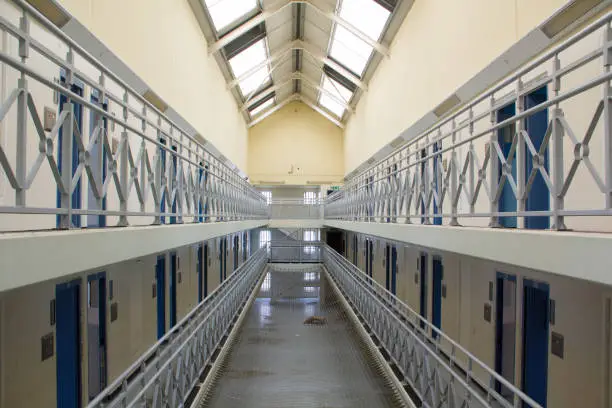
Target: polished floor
[[278, 361]]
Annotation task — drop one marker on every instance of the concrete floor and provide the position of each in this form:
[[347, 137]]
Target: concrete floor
[[279, 361]]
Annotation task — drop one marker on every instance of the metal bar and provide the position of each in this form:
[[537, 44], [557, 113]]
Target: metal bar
[[321, 111]]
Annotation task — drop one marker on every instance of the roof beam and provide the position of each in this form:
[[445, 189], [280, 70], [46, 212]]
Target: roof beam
[[288, 99], [275, 88], [321, 111], [280, 5], [310, 50], [319, 88]]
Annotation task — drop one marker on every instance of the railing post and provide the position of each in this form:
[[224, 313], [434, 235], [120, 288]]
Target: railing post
[[22, 117], [65, 220], [557, 151], [607, 156], [158, 174], [493, 168], [123, 167], [454, 196], [521, 195]]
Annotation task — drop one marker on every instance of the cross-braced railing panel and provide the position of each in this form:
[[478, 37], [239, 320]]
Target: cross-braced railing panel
[[80, 148], [165, 374], [441, 372], [535, 151]]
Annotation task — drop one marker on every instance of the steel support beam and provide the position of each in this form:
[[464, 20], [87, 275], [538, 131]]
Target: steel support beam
[[290, 98], [314, 106]]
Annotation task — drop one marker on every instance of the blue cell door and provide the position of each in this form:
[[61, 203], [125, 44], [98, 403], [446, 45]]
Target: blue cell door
[[371, 264], [98, 162], [423, 291], [225, 258], [367, 257], [75, 199], [538, 198], [535, 340], [505, 331], [68, 348], [507, 200], [393, 270], [160, 293], [245, 244], [205, 277], [173, 270], [355, 250], [388, 267], [436, 294], [96, 333], [200, 272], [236, 249]]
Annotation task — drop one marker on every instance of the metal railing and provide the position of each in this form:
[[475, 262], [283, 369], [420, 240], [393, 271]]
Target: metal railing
[[165, 374], [530, 152], [296, 209], [295, 251], [440, 371], [131, 162]]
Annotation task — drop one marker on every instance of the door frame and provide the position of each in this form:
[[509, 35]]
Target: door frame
[[423, 288], [173, 288], [499, 278], [102, 333]]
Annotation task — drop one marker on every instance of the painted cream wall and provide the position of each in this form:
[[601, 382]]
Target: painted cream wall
[[295, 135], [579, 316], [162, 42], [432, 55]]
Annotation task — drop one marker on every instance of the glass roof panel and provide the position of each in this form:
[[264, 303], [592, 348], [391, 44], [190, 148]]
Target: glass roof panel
[[336, 89], [350, 50], [340, 92], [225, 12], [247, 60], [262, 107], [331, 105], [367, 15]]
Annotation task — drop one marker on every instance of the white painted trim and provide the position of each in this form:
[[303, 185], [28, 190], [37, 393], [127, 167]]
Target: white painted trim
[[579, 255], [32, 257]]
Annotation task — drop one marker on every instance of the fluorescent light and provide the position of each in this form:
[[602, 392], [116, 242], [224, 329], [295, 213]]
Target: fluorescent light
[[367, 15], [260, 108], [226, 12], [245, 61], [350, 50]]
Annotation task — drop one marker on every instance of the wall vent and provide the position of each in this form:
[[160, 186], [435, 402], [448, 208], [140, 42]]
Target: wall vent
[[447, 105], [155, 100], [52, 11], [397, 142], [567, 16]]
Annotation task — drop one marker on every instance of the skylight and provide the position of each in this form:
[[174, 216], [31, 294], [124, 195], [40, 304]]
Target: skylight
[[256, 111], [348, 49], [339, 92], [367, 15], [225, 12], [246, 60]]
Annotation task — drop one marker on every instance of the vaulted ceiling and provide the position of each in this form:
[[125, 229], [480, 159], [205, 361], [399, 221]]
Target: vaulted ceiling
[[321, 52]]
